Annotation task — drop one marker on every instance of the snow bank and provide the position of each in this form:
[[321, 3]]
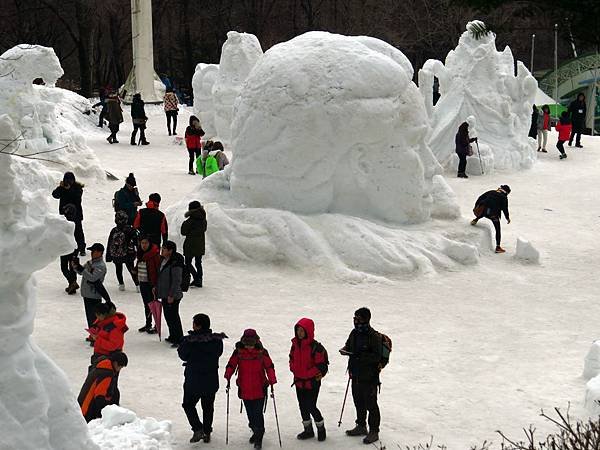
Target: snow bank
[[37, 408], [592, 396], [121, 429], [591, 366], [45, 117], [477, 80], [526, 252], [202, 83], [240, 53]]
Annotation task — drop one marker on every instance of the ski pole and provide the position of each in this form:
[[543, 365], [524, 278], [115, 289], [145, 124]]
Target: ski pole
[[276, 416], [344, 404], [227, 425], [479, 153]]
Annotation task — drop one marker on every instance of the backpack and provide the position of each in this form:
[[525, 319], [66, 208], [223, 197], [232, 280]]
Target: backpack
[[317, 347], [386, 349], [186, 276], [119, 247], [210, 165]]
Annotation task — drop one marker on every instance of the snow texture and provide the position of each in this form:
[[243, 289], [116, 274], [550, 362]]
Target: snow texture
[[591, 367], [240, 53], [526, 252], [477, 80], [202, 83], [45, 117], [592, 396], [37, 408], [121, 429]]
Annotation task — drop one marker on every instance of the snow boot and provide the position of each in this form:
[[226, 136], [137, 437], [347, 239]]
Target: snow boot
[[500, 249], [197, 437], [321, 434], [308, 432], [72, 288], [372, 437], [358, 430]]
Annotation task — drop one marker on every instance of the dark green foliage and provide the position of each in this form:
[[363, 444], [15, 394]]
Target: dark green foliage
[[479, 30]]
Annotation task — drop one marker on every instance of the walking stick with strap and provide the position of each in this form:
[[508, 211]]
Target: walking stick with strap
[[479, 153], [276, 416], [344, 404], [227, 423]]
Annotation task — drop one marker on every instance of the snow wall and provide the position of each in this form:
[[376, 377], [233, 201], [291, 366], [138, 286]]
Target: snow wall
[[46, 118], [478, 84], [331, 168]]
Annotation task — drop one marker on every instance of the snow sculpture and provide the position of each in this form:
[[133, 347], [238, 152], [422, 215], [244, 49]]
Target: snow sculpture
[[240, 53], [591, 366], [47, 117], [592, 396], [202, 83], [526, 252], [477, 80], [37, 408], [330, 165]]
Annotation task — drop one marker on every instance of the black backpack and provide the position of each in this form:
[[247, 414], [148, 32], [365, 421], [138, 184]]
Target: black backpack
[[186, 276], [317, 347]]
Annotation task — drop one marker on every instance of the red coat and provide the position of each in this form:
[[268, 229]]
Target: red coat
[[564, 131], [152, 260], [111, 334], [255, 371], [308, 361]]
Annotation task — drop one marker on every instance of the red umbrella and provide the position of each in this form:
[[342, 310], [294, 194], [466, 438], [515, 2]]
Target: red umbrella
[[156, 310]]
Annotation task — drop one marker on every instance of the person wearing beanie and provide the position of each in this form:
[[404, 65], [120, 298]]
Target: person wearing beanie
[[121, 248], [127, 199], [364, 348], [194, 228], [309, 364], [168, 290], [70, 193], [151, 222], [138, 116], [193, 142], [491, 205], [200, 350], [255, 373]]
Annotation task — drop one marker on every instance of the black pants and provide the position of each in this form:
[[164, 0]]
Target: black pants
[[575, 133], [462, 163], [171, 311], [190, 400], [256, 419], [119, 269], [147, 297], [114, 129], [142, 129], [196, 272], [307, 401], [90, 309], [79, 236], [560, 145], [365, 400], [194, 153], [101, 117], [496, 223], [171, 115], [65, 268]]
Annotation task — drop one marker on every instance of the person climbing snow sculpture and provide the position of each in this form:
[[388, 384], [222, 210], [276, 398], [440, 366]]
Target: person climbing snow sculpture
[[491, 205]]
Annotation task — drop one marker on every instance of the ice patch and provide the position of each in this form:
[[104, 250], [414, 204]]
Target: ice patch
[[526, 252]]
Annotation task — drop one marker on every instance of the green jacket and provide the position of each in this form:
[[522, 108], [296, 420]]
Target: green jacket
[[194, 228]]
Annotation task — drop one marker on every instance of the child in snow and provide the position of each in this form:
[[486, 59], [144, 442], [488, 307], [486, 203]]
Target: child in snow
[[214, 159], [309, 364], [120, 248], [564, 133], [193, 142], [255, 373], [108, 331], [491, 205]]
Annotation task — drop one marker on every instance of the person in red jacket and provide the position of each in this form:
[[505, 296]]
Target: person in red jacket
[[151, 222], [147, 267], [255, 373], [564, 128], [108, 332], [309, 364], [193, 142]]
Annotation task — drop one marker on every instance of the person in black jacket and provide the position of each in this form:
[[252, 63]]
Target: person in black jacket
[[364, 348], [463, 148], [533, 131], [151, 222], [101, 103], [193, 228], [121, 249], [578, 111], [200, 350], [127, 199], [138, 115], [491, 205], [69, 193]]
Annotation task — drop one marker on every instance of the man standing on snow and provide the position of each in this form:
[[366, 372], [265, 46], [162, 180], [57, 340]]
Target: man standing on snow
[[200, 350], [151, 222], [491, 205], [92, 275], [578, 112], [168, 290], [128, 199]]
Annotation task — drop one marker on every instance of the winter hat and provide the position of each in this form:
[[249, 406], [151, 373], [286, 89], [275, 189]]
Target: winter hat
[[194, 205], [505, 188], [202, 321], [364, 313], [155, 198], [170, 245], [130, 180], [69, 176], [250, 337]]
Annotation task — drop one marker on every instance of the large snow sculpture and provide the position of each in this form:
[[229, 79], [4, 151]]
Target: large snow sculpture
[[202, 83], [240, 53], [47, 118], [37, 408], [330, 165], [477, 80]]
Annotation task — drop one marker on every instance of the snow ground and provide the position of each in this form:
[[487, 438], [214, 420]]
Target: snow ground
[[474, 351]]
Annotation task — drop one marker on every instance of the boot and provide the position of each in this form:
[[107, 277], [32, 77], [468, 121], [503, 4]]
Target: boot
[[197, 437], [500, 249], [206, 438], [563, 156], [133, 139], [358, 430], [145, 142], [144, 329], [308, 431], [372, 437], [321, 434], [258, 438], [72, 289]]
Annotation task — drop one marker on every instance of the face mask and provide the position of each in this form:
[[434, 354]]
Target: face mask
[[361, 327]]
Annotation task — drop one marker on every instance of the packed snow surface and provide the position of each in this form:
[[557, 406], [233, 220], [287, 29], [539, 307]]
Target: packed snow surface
[[477, 80], [121, 429]]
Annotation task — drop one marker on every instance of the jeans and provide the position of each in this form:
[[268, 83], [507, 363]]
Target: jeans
[[365, 400], [147, 297], [171, 311], [194, 153], [256, 419], [119, 271], [307, 401], [197, 272], [462, 163], [79, 236], [190, 400], [65, 268], [171, 115], [90, 309]]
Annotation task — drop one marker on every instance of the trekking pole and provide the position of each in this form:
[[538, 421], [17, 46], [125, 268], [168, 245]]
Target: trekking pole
[[227, 423], [276, 416], [479, 153], [344, 404]]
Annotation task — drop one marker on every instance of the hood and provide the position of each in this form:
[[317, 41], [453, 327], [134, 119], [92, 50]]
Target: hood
[[309, 327], [197, 213], [152, 205]]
